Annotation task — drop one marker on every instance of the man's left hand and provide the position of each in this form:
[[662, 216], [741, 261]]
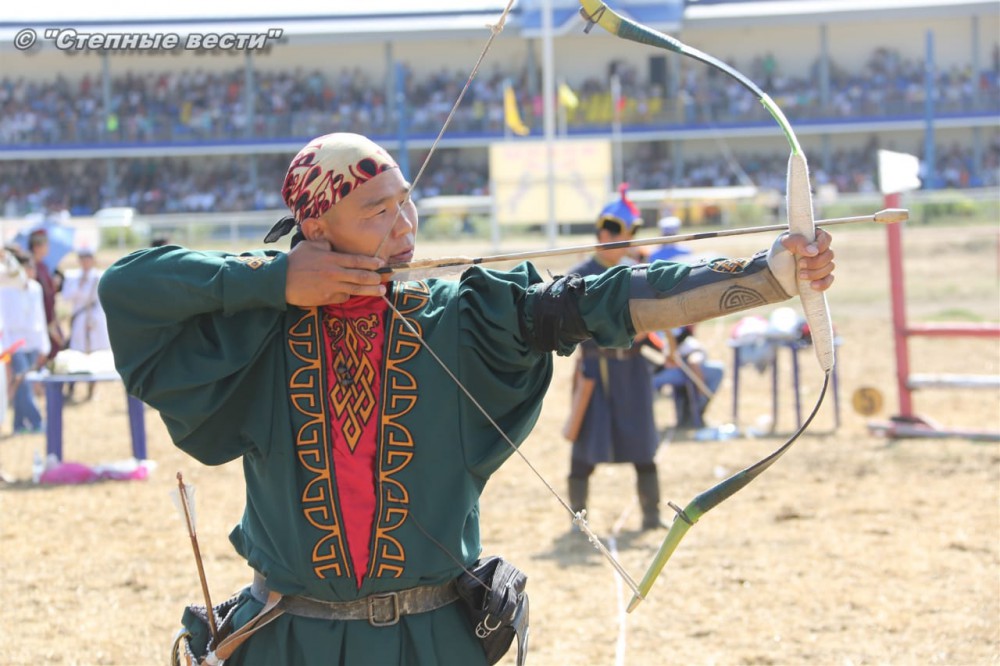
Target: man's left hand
[[814, 260], [793, 257]]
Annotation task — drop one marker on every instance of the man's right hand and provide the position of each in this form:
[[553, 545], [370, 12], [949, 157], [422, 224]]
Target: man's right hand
[[319, 276]]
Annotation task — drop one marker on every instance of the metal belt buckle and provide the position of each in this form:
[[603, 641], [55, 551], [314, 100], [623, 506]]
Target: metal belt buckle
[[377, 602]]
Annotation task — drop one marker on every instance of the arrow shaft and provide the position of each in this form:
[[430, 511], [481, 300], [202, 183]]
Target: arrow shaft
[[462, 262], [186, 510]]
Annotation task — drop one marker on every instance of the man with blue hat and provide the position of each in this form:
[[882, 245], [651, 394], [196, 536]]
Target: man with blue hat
[[613, 388]]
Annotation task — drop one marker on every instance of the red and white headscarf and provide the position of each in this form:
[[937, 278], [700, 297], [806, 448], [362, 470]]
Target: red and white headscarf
[[325, 171], [330, 168]]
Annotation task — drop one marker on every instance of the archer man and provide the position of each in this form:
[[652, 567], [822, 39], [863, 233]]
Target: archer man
[[343, 392]]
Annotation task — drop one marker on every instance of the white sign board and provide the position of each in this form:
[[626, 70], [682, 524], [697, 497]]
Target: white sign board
[[519, 180]]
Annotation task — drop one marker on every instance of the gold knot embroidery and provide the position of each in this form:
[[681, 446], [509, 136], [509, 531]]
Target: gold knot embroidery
[[353, 396], [732, 266], [254, 262]]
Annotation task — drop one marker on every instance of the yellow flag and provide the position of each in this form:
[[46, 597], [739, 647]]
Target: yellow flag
[[567, 97], [511, 115]]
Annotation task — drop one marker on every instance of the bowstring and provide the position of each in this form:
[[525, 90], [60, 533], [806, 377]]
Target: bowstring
[[495, 29], [579, 518]]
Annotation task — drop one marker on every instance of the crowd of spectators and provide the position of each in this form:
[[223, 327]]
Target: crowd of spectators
[[848, 170], [221, 184], [190, 184], [199, 105]]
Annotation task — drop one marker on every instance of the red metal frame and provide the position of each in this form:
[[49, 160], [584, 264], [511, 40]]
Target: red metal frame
[[906, 423]]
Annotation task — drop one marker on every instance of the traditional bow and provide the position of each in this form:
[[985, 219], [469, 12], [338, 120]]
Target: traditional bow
[[800, 221]]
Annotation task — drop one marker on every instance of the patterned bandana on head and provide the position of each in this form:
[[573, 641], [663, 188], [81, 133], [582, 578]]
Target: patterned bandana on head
[[326, 171]]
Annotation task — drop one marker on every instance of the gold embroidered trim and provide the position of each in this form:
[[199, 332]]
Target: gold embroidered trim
[[399, 396], [313, 448]]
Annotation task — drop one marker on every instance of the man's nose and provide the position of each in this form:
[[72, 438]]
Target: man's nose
[[406, 219]]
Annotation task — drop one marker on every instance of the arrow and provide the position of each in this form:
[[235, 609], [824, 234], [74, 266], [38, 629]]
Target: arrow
[[426, 268], [184, 496]]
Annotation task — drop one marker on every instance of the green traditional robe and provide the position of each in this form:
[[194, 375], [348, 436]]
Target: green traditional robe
[[207, 339]]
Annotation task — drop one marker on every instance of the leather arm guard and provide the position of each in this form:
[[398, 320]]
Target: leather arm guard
[[615, 306], [712, 289]]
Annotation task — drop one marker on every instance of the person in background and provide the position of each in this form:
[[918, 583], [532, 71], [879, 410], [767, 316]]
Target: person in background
[[88, 326], [11, 275], [612, 393], [38, 246], [341, 391], [694, 377], [670, 225], [686, 367], [23, 309]]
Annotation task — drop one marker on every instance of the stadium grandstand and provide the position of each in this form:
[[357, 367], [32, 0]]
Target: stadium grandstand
[[169, 130]]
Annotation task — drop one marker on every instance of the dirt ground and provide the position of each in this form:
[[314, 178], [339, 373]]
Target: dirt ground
[[852, 549]]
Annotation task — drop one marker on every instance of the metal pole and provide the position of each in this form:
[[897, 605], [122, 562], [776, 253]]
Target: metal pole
[[111, 176], [824, 93], [616, 129], [930, 159], [249, 96], [978, 102], [898, 293], [403, 126], [548, 115]]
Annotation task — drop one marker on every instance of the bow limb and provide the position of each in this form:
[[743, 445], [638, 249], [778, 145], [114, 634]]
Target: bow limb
[[800, 221], [799, 196], [596, 12]]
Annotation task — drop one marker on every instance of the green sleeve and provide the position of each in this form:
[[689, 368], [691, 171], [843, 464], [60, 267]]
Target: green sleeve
[[501, 370], [191, 333], [507, 375]]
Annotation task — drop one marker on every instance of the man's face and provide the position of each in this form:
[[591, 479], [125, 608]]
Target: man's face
[[378, 211], [610, 233], [40, 247]]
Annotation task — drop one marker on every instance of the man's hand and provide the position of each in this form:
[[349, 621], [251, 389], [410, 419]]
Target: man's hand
[[808, 261], [319, 276]]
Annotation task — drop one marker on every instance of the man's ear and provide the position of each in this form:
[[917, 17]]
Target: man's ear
[[312, 228]]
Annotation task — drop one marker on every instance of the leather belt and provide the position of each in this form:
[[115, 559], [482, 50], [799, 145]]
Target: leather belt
[[381, 610], [615, 353]]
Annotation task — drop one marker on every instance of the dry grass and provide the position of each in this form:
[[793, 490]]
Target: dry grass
[[850, 550]]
